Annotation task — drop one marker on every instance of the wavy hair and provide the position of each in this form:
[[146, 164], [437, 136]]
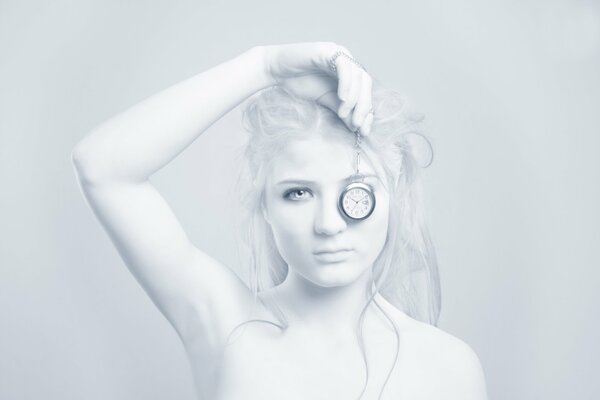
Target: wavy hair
[[405, 273]]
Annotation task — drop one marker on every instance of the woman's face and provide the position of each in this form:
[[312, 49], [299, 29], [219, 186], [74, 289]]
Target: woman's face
[[301, 205]]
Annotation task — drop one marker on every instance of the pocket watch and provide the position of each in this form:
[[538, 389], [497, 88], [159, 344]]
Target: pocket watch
[[357, 200]]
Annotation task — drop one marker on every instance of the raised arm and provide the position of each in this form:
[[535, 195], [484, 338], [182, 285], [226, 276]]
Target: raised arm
[[136, 143], [198, 295]]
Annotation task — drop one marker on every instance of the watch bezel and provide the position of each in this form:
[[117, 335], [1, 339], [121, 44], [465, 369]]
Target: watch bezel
[[367, 188]]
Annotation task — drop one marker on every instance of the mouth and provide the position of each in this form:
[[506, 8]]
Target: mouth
[[333, 256]]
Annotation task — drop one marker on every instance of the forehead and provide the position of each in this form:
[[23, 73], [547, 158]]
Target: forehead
[[318, 159]]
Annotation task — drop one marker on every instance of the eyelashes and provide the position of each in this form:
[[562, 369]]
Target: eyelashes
[[297, 194]]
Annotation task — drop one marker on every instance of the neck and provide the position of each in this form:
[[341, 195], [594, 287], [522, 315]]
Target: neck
[[328, 307]]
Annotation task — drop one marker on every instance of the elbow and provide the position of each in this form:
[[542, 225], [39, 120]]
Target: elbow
[[86, 170], [94, 168], [77, 158]]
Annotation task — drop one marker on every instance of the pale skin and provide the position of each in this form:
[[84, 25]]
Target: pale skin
[[317, 357]]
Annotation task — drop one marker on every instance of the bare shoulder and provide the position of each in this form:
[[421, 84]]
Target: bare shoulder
[[443, 365], [452, 361]]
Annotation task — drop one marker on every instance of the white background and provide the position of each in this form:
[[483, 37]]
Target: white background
[[511, 95]]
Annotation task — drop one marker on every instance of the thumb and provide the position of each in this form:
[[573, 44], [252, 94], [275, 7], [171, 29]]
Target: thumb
[[332, 101]]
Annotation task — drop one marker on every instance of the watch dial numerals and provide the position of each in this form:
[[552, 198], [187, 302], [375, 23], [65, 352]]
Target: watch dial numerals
[[357, 203]]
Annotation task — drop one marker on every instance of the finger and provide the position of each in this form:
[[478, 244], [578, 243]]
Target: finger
[[344, 71], [363, 105], [332, 101], [333, 52], [367, 124], [355, 88], [347, 103]]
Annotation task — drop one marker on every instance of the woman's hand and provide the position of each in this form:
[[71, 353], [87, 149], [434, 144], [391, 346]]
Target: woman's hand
[[304, 70]]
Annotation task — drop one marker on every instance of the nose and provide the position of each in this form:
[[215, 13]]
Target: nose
[[328, 218]]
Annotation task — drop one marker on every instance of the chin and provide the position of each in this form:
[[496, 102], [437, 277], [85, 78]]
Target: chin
[[335, 274]]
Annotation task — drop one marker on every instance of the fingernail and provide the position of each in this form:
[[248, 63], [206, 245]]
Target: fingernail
[[368, 123]]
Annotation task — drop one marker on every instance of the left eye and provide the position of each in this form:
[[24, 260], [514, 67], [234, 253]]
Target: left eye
[[297, 194]]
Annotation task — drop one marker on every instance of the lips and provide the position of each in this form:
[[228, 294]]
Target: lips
[[331, 250], [334, 256]]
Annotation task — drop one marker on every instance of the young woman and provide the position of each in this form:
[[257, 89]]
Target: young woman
[[344, 296]]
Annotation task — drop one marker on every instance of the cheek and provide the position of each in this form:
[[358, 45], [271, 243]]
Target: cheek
[[292, 229], [375, 228]]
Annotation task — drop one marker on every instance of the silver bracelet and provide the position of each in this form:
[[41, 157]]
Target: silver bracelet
[[341, 53]]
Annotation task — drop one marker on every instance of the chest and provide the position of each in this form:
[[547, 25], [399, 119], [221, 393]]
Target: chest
[[263, 363]]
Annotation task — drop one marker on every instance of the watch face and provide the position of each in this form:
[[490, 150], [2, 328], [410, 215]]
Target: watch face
[[357, 201]]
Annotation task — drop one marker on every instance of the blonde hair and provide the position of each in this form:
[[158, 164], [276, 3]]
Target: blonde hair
[[405, 273]]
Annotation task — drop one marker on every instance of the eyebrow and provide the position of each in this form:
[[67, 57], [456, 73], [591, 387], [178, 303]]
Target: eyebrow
[[306, 182]]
